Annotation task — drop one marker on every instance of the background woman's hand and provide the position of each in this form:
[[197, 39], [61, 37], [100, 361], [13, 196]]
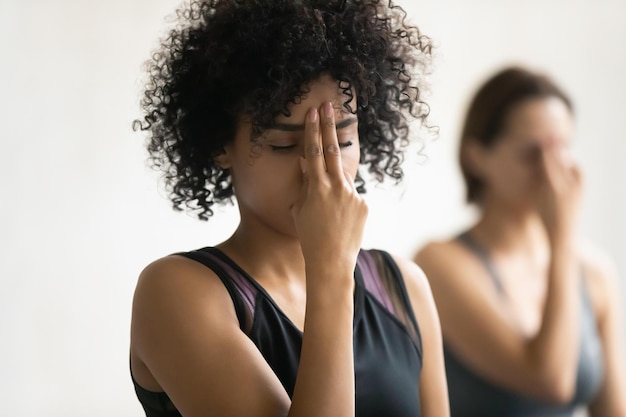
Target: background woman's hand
[[559, 196]]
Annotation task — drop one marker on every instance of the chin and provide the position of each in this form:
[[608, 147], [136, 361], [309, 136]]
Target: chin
[[287, 228]]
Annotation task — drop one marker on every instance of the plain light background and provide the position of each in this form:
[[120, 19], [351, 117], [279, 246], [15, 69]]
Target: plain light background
[[81, 215]]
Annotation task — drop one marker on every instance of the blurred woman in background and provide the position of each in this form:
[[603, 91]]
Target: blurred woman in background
[[529, 315]]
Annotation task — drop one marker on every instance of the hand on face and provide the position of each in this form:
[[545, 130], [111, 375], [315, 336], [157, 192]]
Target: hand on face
[[329, 215], [559, 196]]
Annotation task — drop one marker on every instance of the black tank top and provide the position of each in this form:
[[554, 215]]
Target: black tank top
[[387, 341], [471, 395]]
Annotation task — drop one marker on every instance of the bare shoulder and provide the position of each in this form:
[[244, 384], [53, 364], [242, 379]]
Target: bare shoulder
[[596, 262], [171, 289], [175, 279], [600, 274], [457, 278], [414, 277], [172, 271], [448, 260], [432, 252], [434, 249], [185, 336]]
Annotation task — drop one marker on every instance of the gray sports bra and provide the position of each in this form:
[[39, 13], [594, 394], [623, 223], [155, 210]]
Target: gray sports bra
[[471, 395]]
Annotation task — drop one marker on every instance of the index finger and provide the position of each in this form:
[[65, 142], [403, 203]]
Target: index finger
[[330, 143], [312, 145]]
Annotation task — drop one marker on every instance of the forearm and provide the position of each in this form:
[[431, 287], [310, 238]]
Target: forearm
[[325, 381], [554, 351]]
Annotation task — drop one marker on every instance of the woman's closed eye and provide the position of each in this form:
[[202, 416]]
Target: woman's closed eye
[[294, 146], [282, 148]]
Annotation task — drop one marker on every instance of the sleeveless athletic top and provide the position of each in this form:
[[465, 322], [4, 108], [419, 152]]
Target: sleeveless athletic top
[[387, 341], [471, 395]]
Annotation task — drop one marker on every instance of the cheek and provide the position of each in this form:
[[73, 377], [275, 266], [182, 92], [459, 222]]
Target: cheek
[[350, 160], [521, 179], [513, 169], [527, 172], [508, 177]]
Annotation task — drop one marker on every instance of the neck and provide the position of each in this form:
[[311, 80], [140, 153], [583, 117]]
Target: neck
[[507, 230], [265, 253]]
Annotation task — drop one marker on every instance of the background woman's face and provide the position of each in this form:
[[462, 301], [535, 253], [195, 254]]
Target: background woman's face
[[511, 168]]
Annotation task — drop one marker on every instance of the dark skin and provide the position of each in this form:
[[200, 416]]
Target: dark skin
[[301, 228]]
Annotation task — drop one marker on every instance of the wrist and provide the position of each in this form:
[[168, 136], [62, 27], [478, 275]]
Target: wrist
[[562, 246], [561, 233], [328, 277]]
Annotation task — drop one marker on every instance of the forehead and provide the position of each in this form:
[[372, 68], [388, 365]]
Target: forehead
[[322, 90], [540, 118]]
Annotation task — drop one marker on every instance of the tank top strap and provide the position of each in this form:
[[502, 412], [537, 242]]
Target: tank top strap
[[372, 281], [482, 254], [383, 280], [241, 289]]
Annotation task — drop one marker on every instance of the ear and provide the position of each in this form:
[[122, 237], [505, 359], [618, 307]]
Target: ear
[[473, 156], [222, 159]]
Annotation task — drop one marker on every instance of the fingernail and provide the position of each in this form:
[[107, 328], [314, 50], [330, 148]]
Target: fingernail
[[328, 109], [313, 115]]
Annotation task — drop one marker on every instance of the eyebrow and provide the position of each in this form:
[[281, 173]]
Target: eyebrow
[[289, 127]]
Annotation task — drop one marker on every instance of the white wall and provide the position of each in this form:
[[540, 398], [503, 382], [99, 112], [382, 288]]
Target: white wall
[[81, 214]]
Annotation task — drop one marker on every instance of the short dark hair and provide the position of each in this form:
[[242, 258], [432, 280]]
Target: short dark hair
[[490, 108], [228, 58]]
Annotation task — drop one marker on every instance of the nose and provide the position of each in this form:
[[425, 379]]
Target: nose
[[561, 146], [556, 142]]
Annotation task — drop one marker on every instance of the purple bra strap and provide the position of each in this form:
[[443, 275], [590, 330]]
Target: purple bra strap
[[372, 280], [244, 287]]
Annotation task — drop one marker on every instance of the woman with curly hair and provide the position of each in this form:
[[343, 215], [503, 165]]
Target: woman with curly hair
[[276, 104], [530, 316]]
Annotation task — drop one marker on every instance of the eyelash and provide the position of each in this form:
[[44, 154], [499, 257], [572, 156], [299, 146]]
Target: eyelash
[[291, 147]]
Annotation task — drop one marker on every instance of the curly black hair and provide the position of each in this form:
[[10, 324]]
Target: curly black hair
[[228, 58]]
